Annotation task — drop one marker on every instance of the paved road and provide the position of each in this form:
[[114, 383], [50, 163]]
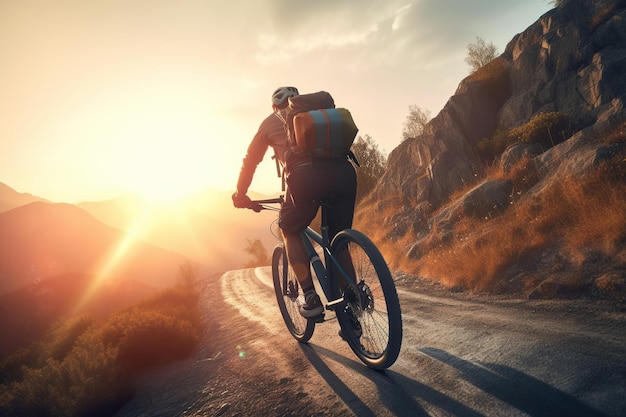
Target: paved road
[[460, 356]]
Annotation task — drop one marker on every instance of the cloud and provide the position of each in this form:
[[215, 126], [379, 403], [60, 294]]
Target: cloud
[[302, 27], [277, 49], [369, 33]]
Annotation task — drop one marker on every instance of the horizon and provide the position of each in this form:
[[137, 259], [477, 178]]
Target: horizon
[[144, 199], [102, 100]]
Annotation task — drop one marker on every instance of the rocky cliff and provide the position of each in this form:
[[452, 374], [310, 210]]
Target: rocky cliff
[[557, 88]]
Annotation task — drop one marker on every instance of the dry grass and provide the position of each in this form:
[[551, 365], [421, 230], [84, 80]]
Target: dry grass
[[377, 222], [571, 228], [558, 225], [574, 216]]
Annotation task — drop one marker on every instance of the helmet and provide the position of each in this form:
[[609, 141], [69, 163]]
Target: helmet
[[282, 94]]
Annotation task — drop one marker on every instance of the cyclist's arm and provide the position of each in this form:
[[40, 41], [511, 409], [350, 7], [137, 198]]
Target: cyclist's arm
[[253, 157]]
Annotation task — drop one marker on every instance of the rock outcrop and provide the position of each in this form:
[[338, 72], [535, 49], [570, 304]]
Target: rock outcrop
[[571, 62]]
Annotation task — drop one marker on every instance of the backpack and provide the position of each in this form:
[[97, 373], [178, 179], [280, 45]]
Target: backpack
[[317, 128]]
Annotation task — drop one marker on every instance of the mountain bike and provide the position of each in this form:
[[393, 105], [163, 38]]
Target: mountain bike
[[356, 282]]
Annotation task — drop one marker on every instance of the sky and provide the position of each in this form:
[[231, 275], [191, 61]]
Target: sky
[[100, 98]]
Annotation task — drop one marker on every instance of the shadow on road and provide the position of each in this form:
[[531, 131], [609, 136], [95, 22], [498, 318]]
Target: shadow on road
[[397, 392], [528, 394]]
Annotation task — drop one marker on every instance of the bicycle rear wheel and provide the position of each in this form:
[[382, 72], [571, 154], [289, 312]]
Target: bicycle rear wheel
[[371, 299], [289, 297]]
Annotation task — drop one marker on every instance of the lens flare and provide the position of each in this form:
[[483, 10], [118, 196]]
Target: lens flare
[[112, 260], [242, 353]]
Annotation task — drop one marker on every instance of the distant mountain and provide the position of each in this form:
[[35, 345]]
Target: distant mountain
[[9, 198], [42, 240], [204, 227]]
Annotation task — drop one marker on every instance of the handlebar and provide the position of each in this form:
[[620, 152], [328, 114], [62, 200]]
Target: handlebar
[[258, 205]]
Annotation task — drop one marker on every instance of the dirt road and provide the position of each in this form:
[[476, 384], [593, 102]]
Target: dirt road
[[461, 356]]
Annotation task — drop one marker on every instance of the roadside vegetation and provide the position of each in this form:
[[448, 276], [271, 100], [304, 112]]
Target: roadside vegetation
[[544, 130], [562, 230], [86, 366], [259, 255], [556, 237]]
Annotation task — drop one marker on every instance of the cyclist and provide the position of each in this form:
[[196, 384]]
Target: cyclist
[[308, 179]]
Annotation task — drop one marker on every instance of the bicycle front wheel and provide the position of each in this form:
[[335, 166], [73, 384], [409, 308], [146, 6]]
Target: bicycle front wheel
[[289, 297], [371, 320]]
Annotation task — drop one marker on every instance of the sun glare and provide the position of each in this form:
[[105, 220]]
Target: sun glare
[[165, 164], [148, 220], [112, 261]]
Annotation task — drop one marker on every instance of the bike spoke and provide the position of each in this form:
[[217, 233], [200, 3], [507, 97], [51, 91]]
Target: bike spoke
[[372, 299], [289, 297]]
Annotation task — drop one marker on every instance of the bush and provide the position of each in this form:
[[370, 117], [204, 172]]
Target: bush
[[493, 80], [544, 129], [152, 338], [85, 367]]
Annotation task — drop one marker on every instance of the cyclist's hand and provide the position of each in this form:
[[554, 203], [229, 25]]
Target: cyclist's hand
[[241, 200]]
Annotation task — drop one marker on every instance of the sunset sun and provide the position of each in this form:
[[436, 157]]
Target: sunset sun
[[164, 146]]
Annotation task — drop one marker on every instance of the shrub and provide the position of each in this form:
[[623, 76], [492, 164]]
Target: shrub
[[85, 367], [65, 334], [544, 129], [152, 338], [493, 80]]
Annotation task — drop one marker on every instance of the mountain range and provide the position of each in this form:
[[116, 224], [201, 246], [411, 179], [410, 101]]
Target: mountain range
[[124, 238], [95, 257]]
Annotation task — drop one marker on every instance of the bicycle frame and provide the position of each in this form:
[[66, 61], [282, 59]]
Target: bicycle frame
[[321, 269], [309, 235]]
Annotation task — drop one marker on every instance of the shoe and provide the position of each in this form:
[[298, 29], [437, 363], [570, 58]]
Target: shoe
[[312, 306], [357, 330]]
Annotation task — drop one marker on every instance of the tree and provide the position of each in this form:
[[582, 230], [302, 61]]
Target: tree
[[480, 53], [372, 165], [258, 253], [415, 122], [187, 275]]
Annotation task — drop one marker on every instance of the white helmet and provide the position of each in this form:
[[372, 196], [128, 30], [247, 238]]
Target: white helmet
[[282, 94]]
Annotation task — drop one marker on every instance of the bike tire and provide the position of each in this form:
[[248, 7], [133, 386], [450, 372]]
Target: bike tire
[[377, 307], [289, 297]]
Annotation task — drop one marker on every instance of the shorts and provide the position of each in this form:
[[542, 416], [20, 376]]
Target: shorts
[[309, 182]]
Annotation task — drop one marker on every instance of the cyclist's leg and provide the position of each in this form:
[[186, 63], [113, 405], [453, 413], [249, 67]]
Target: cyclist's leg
[[298, 259], [341, 211], [293, 220]]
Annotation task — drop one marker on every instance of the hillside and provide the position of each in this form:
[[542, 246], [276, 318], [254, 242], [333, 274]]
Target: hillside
[[27, 313], [204, 227], [10, 198], [518, 184], [42, 240]]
